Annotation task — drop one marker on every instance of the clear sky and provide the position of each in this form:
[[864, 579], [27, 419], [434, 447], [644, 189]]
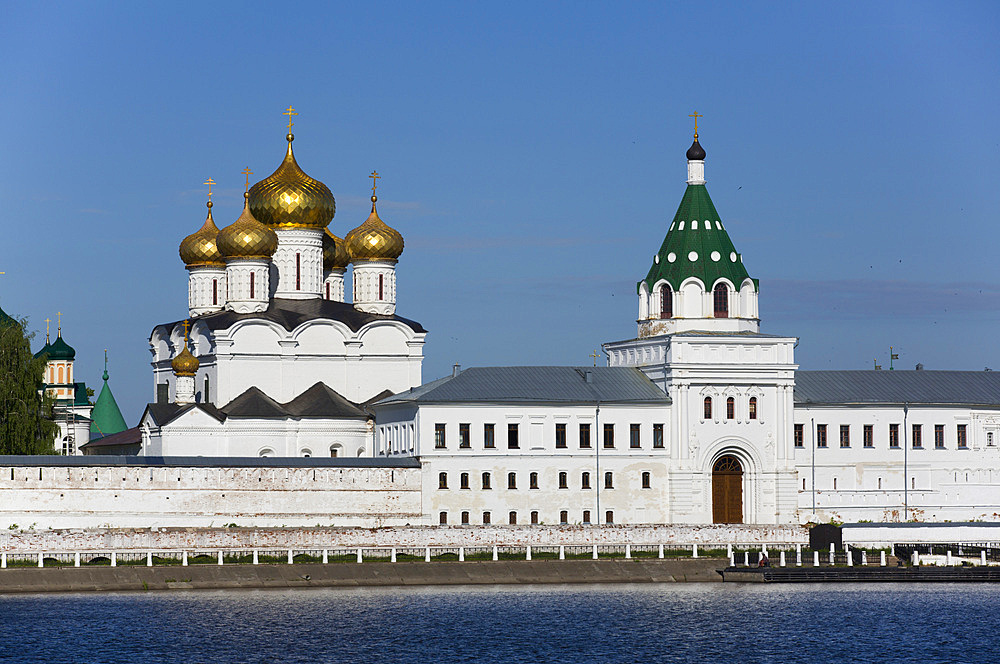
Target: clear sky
[[532, 155]]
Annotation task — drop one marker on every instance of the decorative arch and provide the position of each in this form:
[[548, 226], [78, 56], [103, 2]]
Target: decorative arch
[[744, 452], [720, 300], [666, 296], [265, 452], [690, 299]]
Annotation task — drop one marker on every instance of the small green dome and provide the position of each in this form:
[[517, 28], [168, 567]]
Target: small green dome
[[59, 350]]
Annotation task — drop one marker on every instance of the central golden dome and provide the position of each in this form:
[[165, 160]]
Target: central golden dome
[[291, 199], [335, 256], [246, 237], [199, 249], [374, 240]]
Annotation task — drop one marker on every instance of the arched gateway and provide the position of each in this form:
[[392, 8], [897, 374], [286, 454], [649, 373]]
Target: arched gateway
[[727, 490]]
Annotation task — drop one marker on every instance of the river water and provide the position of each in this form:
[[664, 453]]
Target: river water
[[612, 623]]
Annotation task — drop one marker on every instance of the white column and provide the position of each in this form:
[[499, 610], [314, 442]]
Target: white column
[[185, 390], [360, 558], [427, 554], [527, 553], [392, 555], [694, 550], [299, 261], [184, 558], [374, 284], [595, 552], [76, 559], [881, 558], [41, 560], [798, 555], [815, 558], [326, 556], [781, 559], [149, 559], [291, 558], [562, 552], [220, 557], [496, 554], [461, 554], [659, 552], [114, 559]]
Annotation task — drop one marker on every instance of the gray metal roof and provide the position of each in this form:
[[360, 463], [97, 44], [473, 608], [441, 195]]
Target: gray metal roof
[[974, 388], [537, 384], [208, 462]]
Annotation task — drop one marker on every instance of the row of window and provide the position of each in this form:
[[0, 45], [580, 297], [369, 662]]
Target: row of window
[[609, 517], [720, 300], [868, 436], [487, 480], [731, 408], [514, 436]]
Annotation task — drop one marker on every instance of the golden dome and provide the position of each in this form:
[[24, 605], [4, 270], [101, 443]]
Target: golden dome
[[291, 199], [199, 249], [246, 237], [335, 256], [185, 364], [374, 240]]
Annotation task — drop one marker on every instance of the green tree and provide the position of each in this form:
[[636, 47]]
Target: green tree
[[26, 426]]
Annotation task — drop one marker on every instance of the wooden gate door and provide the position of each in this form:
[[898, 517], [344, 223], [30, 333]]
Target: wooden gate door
[[727, 490]]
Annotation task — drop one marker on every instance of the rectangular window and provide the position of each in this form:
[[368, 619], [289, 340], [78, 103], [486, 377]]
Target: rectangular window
[[609, 436], [442, 480], [868, 437], [534, 518], [464, 480], [443, 518], [487, 518], [533, 481], [512, 518], [252, 275], [512, 440], [511, 480], [917, 440], [439, 441], [465, 518], [633, 436], [799, 435], [586, 516], [893, 435], [585, 480], [609, 480], [609, 517], [489, 439], [963, 442], [464, 436], [584, 435], [563, 480], [298, 271], [657, 436], [820, 435], [486, 481], [939, 436], [560, 436], [845, 435], [645, 480], [563, 517]]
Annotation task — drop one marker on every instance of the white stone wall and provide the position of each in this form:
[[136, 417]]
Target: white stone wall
[[307, 244], [365, 281], [333, 286], [206, 289], [241, 296]]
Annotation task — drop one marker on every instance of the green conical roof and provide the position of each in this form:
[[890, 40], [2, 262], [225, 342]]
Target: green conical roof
[[106, 418], [696, 245]]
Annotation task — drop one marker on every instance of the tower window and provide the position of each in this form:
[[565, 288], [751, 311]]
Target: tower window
[[215, 291], [666, 302], [730, 408], [328, 291], [380, 282], [721, 301], [252, 275], [708, 408], [753, 408], [298, 271]]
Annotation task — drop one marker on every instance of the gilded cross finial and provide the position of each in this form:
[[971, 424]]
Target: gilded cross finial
[[595, 356], [696, 115], [247, 172], [209, 182], [186, 325], [290, 112], [47, 321], [59, 323], [375, 177], [105, 360]]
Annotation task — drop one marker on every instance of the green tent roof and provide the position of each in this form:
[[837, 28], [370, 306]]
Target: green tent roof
[[696, 245], [106, 418]]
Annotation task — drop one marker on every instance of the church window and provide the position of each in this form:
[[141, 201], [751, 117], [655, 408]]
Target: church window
[[586, 516], [585, 436], [306, 453], [464, 480], [512, 518], [893, 435], [465, 518], [563, 517], [633, 436], [609, 480], [215, 291], [334, 451], [207, 395], [534, 518], [512, 440], [60, 375], [439, 439], [443, 518], [464, 436], [708, 408], [939, 436], [666, 302], [609, 517], [486, 481], [563, 480], [989, 439], [560, 436], [645, 480], [252, 282], [657, 436], [799, 435], [834, 483], [868, 435], [721, 301], [489, 440], [609, 436], [442, 480], [917, 439], [820, 435], [962, 440], [380, 286], [753, 408], [585, 480], [845, 435], [730, 408], [511, 480], [880, 483], [298, 271], [533, 481], [487, 518], [328, 291]]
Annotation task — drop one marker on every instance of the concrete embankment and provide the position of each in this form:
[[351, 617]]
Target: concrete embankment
[[83, 579]]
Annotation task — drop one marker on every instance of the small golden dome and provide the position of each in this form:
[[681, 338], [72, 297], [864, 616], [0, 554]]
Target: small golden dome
[[291, 199], [246, 237], [335, 256], [199, 249], [374, 240], [185, 364]]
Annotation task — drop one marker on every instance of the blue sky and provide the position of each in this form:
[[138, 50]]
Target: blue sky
[[532, 155]]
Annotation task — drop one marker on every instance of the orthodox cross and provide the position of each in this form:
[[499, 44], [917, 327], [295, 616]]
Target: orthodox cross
[[209, 182], [47, 321], [375, 177], [105, 360], [290, 112], [247, 172], [59, 322], [595, 356], [185, 332], [696, 115]]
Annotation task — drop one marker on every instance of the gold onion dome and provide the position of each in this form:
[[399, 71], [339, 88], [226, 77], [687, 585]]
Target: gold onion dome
[[246, 237], [199, 249], [289, 198], [374, 240], [335, 256], [185, 364]]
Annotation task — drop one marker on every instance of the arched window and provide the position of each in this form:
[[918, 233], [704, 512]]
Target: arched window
[[753, 408], [721, 301], [511, 480], [298, 271], [730, 408], [512, 518], [328, 290], [380, 287], [266, 452], [442, 480], [708, 408], [215, 291], [252, 275], [666, 302]]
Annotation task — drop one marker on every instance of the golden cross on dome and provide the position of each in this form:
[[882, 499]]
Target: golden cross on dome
[[247, 172], [290, 112], [186, 324], [47, 321], [696, 115], [59, 323], [595, 356], [375, 177], [209, 182]]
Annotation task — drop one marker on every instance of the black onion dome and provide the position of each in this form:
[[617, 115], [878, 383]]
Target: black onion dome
[[696, 152]]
